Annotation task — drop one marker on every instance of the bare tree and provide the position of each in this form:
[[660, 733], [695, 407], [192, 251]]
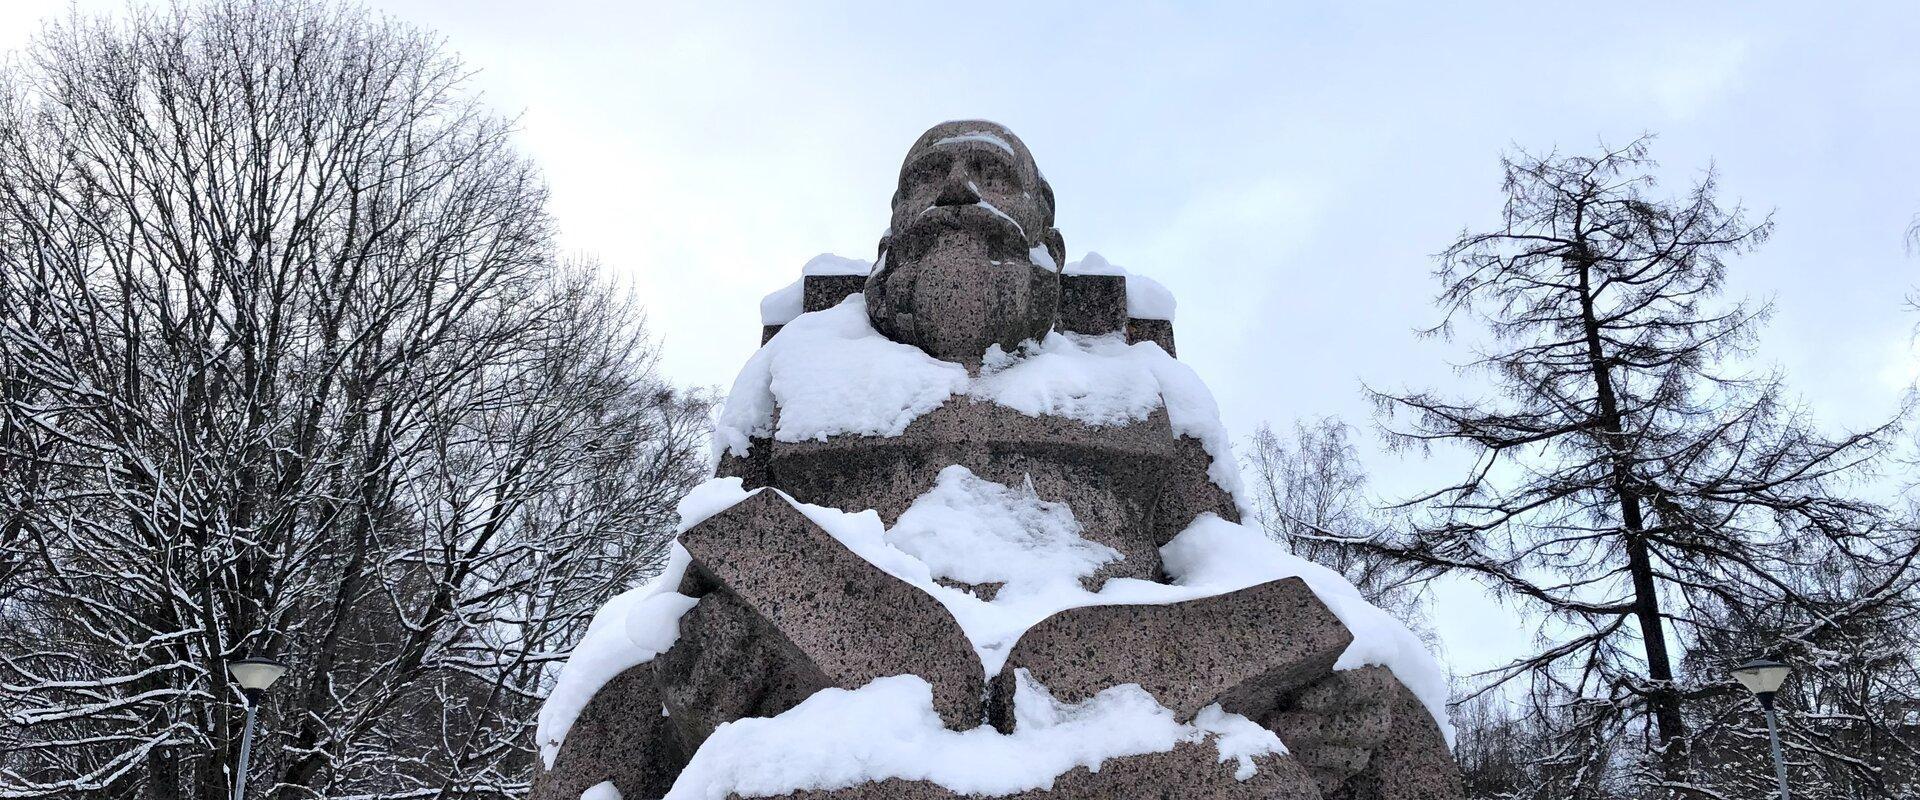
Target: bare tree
[[1536, 751], [291, 368], [1850, 715], [1629, 481], [1311, 492]]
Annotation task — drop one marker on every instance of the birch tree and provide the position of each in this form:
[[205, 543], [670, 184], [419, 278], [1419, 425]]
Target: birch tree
[[1310, 491], [292, 369]]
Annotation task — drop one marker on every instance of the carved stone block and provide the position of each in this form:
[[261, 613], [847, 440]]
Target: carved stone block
[[729, 663], [1092, 304], [1158, 331], [1254, 646], [848, 619], [1363, 736], [821, 292], [620, 736]]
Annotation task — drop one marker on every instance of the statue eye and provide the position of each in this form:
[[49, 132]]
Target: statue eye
[[992, 170], [930, 168]]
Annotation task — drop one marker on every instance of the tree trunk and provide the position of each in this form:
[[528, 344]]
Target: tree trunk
[[1646, 598]]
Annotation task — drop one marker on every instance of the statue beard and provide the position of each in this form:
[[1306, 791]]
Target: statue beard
[[958, 280]]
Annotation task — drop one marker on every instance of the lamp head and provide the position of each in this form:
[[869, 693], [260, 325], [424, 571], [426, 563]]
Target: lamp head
[[256, 674], [1762, 677]]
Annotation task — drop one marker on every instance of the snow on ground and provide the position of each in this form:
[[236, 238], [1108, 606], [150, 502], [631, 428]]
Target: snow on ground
[[629, 630], [830, 373], [1211, 557], [888, 729], [1146, 298]]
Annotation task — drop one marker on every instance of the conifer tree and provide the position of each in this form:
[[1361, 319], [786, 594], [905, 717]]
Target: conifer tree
[[1630, 476]]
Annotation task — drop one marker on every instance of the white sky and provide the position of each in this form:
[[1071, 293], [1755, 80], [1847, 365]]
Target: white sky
[[1285, 171]]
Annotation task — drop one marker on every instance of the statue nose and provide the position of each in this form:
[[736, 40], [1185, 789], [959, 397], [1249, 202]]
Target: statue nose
[[957, 193]]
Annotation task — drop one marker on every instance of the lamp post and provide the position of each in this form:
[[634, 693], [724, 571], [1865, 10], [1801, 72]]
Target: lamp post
[[1763, 678], [254, 676]]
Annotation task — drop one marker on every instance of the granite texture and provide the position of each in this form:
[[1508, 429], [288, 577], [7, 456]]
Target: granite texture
[[1187, 491], [1191, 770], [1158, 331], [821, 292], [1093, 304], [729, 663], [751, 468], [1242, 649], [842, 616], [620, 736], [1132, 487], [1363, 736]]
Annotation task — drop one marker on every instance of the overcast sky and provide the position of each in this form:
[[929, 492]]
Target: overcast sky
[[1286, 171]]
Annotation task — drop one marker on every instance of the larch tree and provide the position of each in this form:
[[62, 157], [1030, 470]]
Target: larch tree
[[292, 368], [1630, 479]]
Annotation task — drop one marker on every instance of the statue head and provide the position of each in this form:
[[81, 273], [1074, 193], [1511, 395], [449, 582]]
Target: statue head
[[972, 258]]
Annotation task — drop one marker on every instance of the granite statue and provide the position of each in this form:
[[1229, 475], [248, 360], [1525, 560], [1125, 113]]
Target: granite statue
[[971, 273]]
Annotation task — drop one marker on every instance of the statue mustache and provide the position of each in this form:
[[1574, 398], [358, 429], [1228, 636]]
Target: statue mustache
[[1001, 231]]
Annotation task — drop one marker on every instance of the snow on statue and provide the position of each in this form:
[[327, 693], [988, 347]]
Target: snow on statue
[[975, 532]]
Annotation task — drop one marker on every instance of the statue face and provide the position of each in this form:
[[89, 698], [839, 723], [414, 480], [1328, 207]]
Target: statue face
[[971, 260], [959, 174]]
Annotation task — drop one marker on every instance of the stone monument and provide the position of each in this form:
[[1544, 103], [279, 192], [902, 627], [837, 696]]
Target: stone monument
[[974, 532]]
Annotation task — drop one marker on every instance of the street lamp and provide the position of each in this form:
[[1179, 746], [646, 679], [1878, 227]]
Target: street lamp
[[1763, 678], [254, 676]]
